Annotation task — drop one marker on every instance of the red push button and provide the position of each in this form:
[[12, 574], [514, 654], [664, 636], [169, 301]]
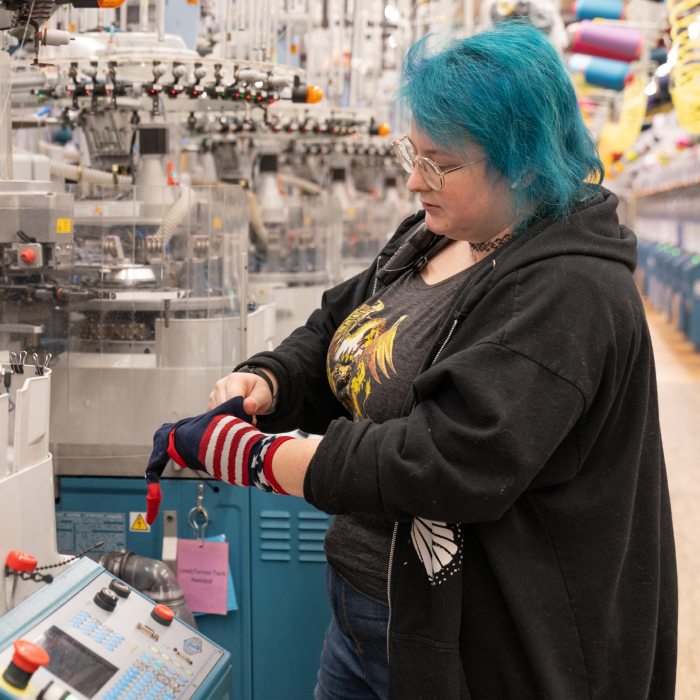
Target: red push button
[[26, 659], [29, 656], [28, 256], [163, 614]]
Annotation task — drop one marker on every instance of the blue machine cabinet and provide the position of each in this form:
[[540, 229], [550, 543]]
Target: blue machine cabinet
[[277, 563]]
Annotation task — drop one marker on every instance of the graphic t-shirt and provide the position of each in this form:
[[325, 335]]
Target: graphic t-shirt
[[372, 361]]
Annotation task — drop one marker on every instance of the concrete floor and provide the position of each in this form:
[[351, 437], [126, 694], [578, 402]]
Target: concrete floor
[[678, 375]]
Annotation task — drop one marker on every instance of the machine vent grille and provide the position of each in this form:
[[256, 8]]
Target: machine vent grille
[[277, 536]]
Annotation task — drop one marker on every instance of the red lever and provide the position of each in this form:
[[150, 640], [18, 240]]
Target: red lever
[[20, 561]]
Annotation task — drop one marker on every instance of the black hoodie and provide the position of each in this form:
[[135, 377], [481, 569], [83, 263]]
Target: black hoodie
[[533, 555]]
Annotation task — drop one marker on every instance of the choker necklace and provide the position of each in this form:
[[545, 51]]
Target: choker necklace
[[490, 245]]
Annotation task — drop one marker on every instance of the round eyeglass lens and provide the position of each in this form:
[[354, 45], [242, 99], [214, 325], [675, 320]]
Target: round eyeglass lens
[[429, 173], [404, 156]]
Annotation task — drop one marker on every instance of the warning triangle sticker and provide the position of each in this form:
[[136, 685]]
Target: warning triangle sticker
[[140, 524]]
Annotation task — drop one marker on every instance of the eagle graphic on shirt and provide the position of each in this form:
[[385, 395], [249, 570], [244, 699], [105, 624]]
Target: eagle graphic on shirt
[[360, 353]]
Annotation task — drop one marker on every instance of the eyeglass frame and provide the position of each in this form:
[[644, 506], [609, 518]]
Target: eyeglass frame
[[440, 172]]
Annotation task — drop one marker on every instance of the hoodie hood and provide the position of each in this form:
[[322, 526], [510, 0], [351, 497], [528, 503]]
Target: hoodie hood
[[592, 229]]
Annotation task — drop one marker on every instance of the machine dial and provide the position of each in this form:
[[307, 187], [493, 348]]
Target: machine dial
[[120, 588], [106, 599], [26, 659]]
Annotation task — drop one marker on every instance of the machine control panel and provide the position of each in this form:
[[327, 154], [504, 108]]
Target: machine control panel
[[110, 642]]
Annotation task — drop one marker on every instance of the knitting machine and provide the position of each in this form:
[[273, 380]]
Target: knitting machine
[[136, 293]]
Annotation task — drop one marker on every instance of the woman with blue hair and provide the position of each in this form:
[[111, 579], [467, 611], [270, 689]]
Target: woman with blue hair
[[486, 396]]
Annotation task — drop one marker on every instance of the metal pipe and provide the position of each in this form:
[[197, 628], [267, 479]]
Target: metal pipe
[[143, 15], [123, 12], [5, 118], [227, 29], [160, 19]]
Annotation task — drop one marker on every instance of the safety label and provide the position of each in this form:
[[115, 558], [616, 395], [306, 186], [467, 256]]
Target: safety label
[[64, 225], [137, 522], [78, 531]]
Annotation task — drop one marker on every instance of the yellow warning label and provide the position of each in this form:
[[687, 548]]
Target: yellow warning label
[[217, 223], [64, 226], [139, 524]]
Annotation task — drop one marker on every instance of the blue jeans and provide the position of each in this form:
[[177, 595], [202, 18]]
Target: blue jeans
[[354, 662]]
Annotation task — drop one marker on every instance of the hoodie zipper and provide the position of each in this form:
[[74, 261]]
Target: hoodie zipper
[[392, 548], [376, 279]]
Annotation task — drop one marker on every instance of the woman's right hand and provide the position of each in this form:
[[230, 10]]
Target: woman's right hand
[[257, 399]]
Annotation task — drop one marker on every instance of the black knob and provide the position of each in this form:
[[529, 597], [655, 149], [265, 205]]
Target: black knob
[[106, 600], [120, 588]]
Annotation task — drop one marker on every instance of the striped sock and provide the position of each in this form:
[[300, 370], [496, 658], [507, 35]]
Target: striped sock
[[232, 450]]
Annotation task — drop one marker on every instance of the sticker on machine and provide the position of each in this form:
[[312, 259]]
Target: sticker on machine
[[137, 522], [77, 531]]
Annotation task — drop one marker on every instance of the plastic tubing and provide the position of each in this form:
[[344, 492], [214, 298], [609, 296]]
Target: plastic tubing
[[684, 18], [81, 174], [176, 214], [302, 183]]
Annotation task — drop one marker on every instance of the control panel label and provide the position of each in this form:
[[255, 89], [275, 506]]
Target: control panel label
[[77, 531]]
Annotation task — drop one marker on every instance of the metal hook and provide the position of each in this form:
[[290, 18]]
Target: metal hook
[[38, 369], [198, 517], [22, 358]]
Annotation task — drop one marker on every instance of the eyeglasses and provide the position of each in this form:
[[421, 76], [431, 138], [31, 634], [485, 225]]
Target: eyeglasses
[[432, 173]]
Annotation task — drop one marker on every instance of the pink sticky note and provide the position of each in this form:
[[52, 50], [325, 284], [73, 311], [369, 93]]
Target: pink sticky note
[[202, 572]]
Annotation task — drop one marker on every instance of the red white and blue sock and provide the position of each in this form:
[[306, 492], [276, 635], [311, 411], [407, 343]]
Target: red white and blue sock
[[222, 443]]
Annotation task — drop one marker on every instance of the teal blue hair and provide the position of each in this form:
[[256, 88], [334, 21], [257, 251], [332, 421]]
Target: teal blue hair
[[507, 90]]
